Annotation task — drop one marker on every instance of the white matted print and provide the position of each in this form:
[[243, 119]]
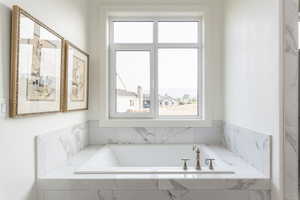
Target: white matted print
[[76, 79], [36, 66]]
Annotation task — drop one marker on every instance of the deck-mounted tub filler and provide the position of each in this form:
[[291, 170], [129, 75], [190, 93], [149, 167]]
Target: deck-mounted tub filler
[[71, 169]]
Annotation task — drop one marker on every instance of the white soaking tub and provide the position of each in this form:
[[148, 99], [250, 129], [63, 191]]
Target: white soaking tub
[[151, 159]]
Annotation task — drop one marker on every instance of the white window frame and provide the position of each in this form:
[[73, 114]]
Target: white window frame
[[153, 50]]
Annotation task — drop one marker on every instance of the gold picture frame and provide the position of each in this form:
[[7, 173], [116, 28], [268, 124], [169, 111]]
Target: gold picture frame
[[36, 75], [76, 79]]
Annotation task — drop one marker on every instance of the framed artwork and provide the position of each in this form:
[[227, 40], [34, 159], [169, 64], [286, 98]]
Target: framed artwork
[[76, 78], [36, 66]]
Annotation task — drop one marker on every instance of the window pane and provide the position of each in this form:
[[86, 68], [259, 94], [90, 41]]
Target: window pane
[[178, 32], [133, 32], [177, 71], [133, 81]]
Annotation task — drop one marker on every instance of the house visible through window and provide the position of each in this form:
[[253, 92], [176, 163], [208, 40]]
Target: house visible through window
[[156, 68]]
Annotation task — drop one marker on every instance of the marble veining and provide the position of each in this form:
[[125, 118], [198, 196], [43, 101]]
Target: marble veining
[[246, 184], [291, 46], [177, 186], [162, 195], [244, 178], [171, 196], [259, 195], [291, 100], [68, 142], [240, 140], [99, 195], [75, 140], [291, 140], [62, 151], [236, 139], [209, 135], [243, 185], [57, 147]]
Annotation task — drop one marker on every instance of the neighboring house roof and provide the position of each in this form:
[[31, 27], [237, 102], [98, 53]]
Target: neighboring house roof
[[166, 98], [161, 97], [126, 93]]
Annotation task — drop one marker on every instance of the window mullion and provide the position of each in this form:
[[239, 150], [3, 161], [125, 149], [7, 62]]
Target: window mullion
[[132, 46], [112, 81], [200, 96], [155, 89], [178, 45]]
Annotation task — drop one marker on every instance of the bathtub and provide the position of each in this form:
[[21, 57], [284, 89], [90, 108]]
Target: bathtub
[[151, 159]]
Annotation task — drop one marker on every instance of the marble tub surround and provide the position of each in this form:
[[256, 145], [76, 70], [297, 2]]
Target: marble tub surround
[[244, 173], [246, 184], [60, 153], [138, 159], [157, 195], [208, 135], [291, 89], [253, 147], [56, 148], [237, 139], [182, 195]]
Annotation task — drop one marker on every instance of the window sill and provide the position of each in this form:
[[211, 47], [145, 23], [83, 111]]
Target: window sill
[[155, 123]]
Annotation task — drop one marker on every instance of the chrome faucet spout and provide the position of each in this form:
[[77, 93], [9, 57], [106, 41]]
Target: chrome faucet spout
[[198, 165], [197, 150]]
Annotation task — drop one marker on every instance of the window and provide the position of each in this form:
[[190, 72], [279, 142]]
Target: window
[[156, 68]]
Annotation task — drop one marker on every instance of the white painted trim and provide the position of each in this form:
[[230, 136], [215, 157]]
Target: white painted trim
[[105, 12], [155, 123], [277, 169], [155, 43], [151, 47], [201, 65], [155, 18], [178, 45]]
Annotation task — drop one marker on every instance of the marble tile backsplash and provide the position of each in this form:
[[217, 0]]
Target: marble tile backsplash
[[291, 88], [253, 147], [56, 147], [210, 135]]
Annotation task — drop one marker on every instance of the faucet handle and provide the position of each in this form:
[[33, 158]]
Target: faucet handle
[[210, 163], [185, 160]]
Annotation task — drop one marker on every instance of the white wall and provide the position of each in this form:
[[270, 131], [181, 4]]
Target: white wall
[[253, 73], [99, 70], [17, 152], [251, 64]]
